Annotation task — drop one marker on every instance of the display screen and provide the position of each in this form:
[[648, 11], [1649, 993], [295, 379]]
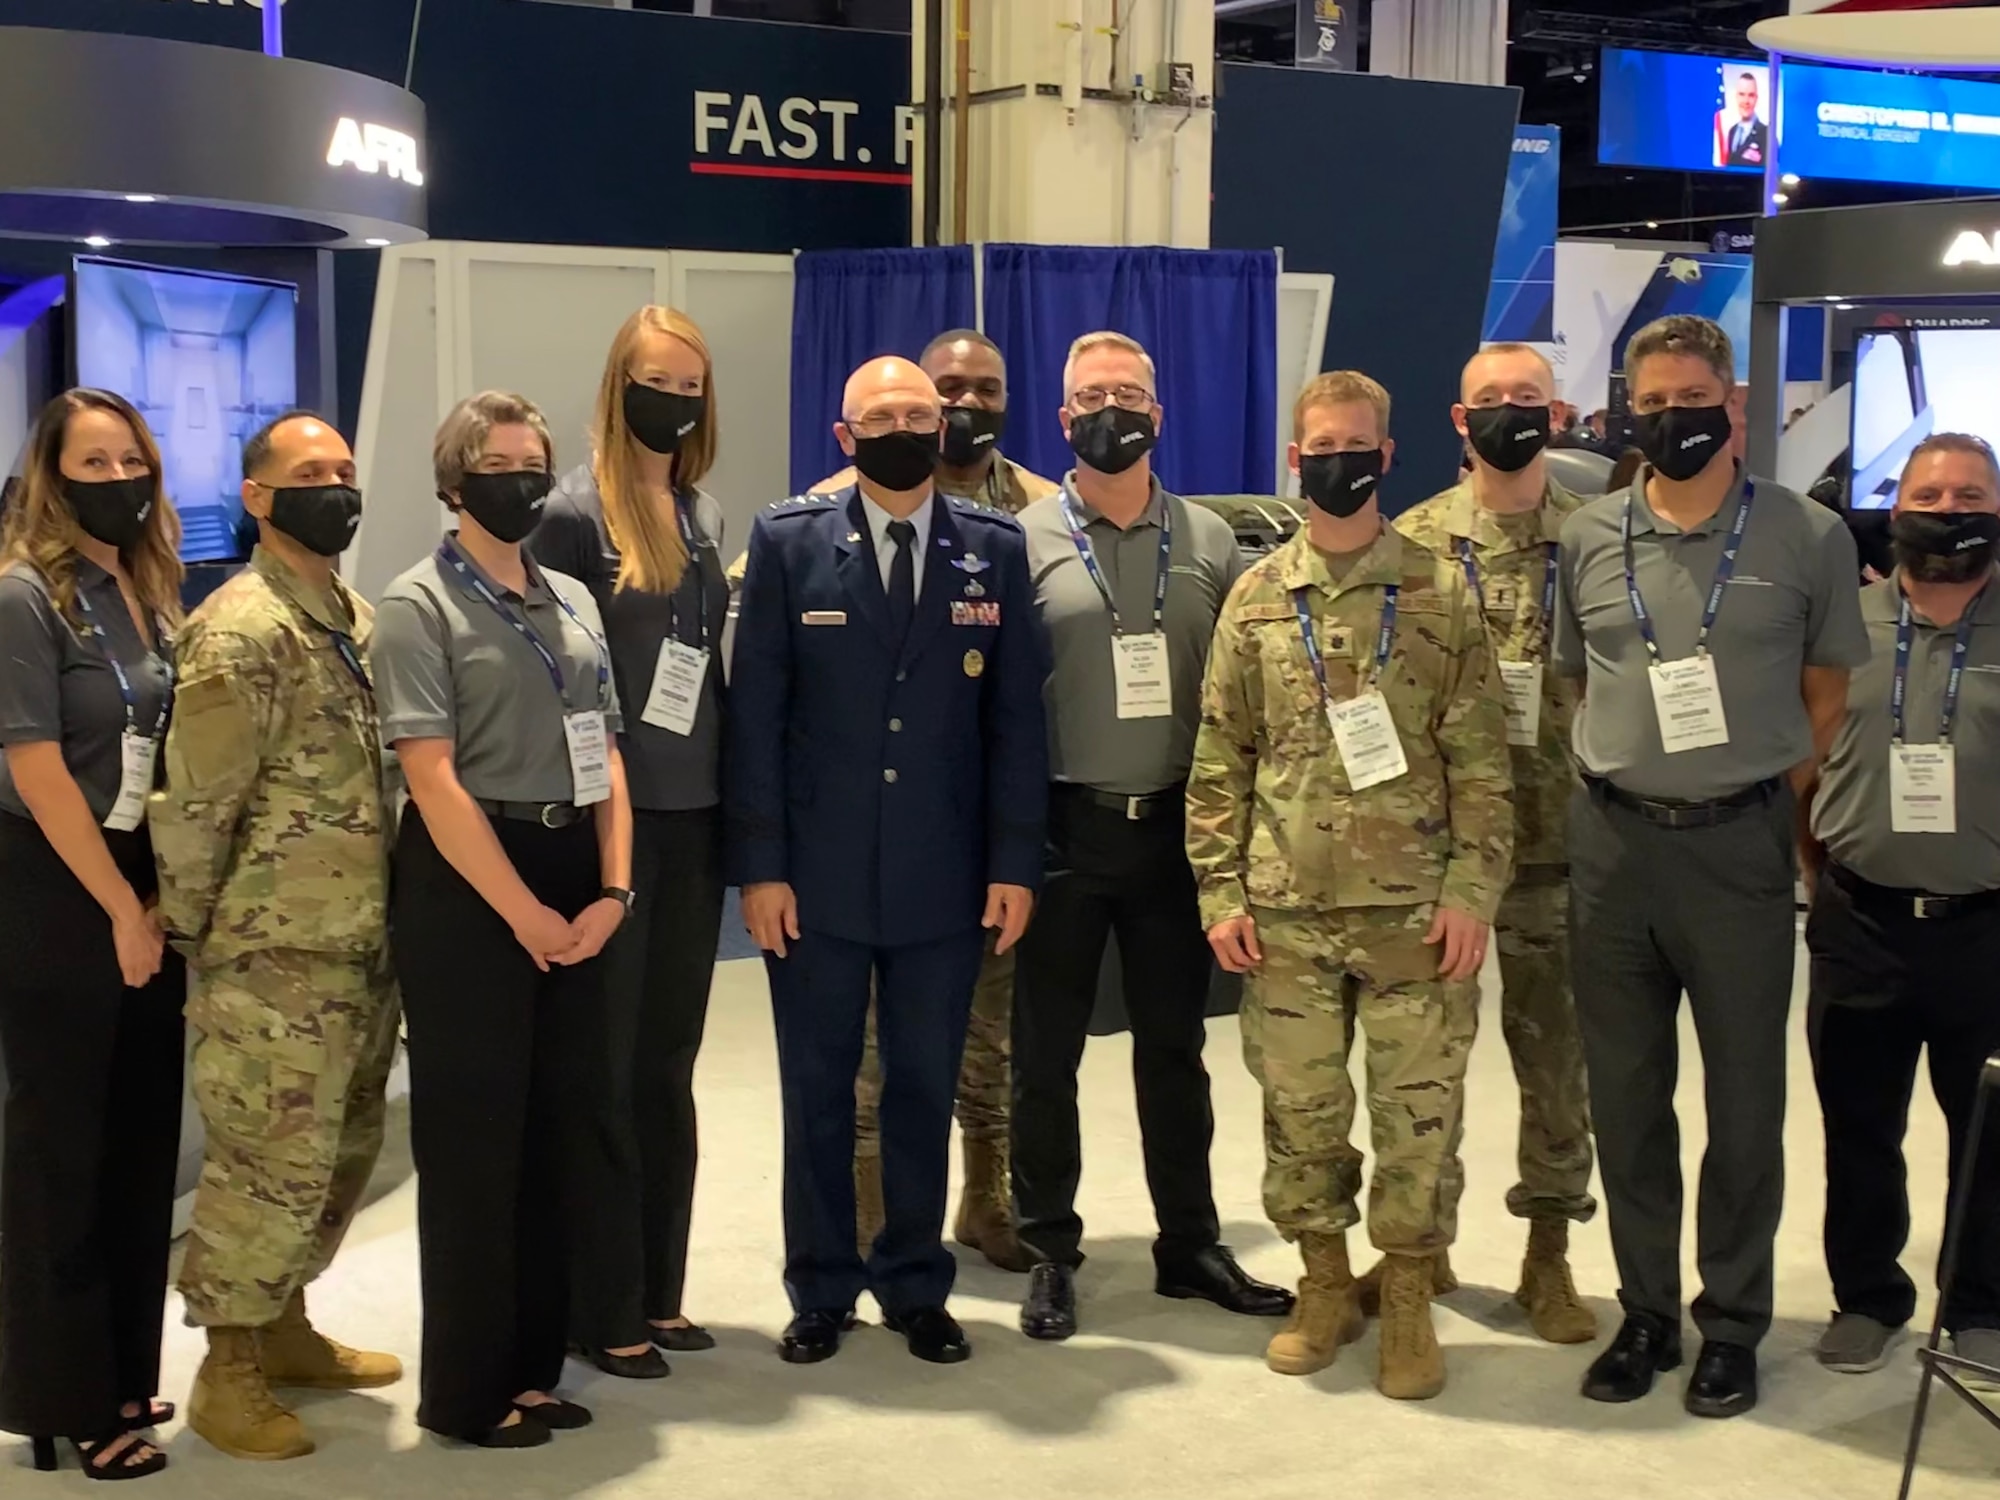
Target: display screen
[[1910, 383], [1713, 114], [207, 360], [1685, 113], [1891, 127]]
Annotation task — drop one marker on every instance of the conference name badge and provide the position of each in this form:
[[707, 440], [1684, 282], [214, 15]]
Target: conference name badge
[[1522, 683], [1923, 789], [1688, 702], [137, 756], [975, 611], [1142, 676], [589, 757], [1365, 734], [677, 684]]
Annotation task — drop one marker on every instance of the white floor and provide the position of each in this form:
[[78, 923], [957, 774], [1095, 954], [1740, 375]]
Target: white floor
[[1155, 1398]]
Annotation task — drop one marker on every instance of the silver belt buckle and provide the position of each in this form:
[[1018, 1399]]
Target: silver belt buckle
[[1135, 809], [1921, 907], [548, 819]]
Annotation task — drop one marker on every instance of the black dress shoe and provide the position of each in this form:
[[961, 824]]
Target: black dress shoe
[[932, 1334], [529, 1432], [691, 1339], [1645, 1345], [1050, 1309], [1212, 1275], [813, 1336], [645, 1366], [1724, 1383]]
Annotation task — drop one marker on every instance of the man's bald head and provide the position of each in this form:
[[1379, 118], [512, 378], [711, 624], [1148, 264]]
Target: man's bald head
[[888, 383]]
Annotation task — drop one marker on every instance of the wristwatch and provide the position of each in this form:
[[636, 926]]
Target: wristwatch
[[619, 894]]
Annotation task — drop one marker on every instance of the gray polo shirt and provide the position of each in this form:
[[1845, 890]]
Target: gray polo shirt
[[1088, 743], [448, 667], [666, 772], [1851, 809], [57, 686], [1792, 604]]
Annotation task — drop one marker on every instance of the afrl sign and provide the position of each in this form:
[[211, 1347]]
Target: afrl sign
[[1972, 248], [375, 148], [734, 136]]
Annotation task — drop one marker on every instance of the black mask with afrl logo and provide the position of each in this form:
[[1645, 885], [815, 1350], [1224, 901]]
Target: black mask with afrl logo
[[971, 433], [1681, 441], [322, 518], [1113, 439], [1340, 483], [507, 506], [113, 511], [898, 461], [1507, 437], [661, 420], [1944, 546]]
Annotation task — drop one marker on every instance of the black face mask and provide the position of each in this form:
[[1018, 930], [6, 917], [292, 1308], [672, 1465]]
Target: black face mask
[[1340, 483], [1943, 546], [508, 506], [113, 511], [970, 434], [898, 461], [661, 420], [322, 518], [1681, 441], [1507, 437], [1112, 440]]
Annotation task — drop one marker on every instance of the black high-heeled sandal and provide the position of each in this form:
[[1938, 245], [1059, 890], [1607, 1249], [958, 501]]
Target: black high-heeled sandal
[[116, 1465], [156, 1414]]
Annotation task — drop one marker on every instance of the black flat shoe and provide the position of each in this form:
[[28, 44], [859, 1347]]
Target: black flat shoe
[[1724, 1383], [814, 1336], [647, 1366], [1212, 1275], [692, 1339], [557, 1416], [932, 1334], [1645, 1346], [1049, 1311], [529, 1432]]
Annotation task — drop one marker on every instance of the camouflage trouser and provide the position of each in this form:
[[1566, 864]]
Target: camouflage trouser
[[1322, 972], [290, 1067], [1538, 1017], [985, 1082]]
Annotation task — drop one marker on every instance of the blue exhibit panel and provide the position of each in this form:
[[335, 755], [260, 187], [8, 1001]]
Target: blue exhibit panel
[[1891, 127], [1520, 305]]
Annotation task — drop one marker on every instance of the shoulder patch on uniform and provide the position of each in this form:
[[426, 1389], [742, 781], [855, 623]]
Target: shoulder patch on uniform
[[978, 511], [800, 505]]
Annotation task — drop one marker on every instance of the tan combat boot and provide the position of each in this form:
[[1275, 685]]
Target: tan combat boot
[[869, 1215], [1325, 1316], [985, 1219], [1547, 1292], [232, 1405], [1412, 1367], [1368, 1287], [298, 1354]]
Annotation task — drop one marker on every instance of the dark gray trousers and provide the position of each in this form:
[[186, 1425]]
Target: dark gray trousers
[[1655, 912]]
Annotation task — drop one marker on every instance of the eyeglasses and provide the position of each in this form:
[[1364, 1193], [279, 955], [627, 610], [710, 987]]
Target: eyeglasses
[[1127, 397], [881, 424]]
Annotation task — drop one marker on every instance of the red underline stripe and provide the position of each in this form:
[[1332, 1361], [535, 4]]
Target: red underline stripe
[[797, 174]]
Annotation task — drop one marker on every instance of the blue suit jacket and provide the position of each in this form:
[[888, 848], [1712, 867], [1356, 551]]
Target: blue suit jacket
[[889, 787]]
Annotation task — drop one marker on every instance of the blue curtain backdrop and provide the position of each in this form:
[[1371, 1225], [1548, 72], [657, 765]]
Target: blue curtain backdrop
[[1208, 318], [849, 306]]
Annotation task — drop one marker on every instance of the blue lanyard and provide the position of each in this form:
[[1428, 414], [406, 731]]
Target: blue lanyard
[[1725, 569], [1083, 548], [448, 554], [351, 659], [1899, 685], [1548, 582], [701, 586], [118, 670], [1383, 639]]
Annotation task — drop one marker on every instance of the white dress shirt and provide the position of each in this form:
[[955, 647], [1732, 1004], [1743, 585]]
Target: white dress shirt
[[885, 545]]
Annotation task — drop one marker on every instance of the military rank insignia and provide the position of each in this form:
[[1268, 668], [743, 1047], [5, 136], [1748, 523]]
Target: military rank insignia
[[975, 612]]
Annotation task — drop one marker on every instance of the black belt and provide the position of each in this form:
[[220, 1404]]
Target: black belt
[[1132, 809], [1666, 813], [1920, 905], [548, 814]]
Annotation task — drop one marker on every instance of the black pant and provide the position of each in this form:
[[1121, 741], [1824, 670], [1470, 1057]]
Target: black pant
[[500, 1060], [92, 1135], [1886, 986], [631, 1258], [1107, 874], [1654, 912]]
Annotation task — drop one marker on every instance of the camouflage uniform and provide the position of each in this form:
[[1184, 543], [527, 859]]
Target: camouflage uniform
[[273, 862], [1344, 884], [1537, 1013]]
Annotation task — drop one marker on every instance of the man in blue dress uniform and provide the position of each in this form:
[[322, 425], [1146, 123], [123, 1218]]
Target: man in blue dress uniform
[[887, 784]]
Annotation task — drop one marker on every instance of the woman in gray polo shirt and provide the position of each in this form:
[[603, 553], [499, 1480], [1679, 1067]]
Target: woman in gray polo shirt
[[635, 527], [512, 870], [90, 997]]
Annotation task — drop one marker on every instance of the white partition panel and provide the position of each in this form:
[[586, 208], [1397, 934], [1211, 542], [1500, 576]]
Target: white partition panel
[[1305, 301], [406, 378]]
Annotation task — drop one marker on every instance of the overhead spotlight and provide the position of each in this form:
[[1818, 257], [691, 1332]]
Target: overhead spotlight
[[1652, 223], [1790, 179], [97, 242], [1781, 198], [1843, 307], [377, 244], [142, 198]]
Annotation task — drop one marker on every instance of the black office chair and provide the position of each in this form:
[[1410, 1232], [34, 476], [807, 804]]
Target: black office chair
[[1937, 1364]]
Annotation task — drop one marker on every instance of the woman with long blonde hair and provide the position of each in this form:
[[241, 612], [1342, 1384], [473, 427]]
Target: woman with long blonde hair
[[90, 996], [635, 525]]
